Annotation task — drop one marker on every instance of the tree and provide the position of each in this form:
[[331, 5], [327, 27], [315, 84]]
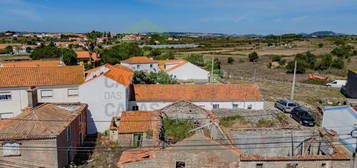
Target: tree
[[321, 45], [167, 55], [325, 62], [196, 59], [338, 63], [308, 59], [300, 68], [253, 57], [9, 50], [141, 77], [343, 51], [46, 52], [155, 52], [121, 52], [69, 57], [230, 60]]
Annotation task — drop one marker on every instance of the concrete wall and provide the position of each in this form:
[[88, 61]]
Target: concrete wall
[[156, 105], [275, 142], [189, 71], [147, 67], [300, 164], [19, 98], [60, 94], [42, 153], [185, 110], [196, 153], [106, 99]]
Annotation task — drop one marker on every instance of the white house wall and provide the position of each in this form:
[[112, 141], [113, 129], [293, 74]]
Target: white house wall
[[106, 99], [60, 94], [147, 67], [156, 105], [19, 100], [189, 71]]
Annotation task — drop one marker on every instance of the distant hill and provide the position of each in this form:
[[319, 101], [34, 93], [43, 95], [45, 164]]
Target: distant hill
[[323, 33]]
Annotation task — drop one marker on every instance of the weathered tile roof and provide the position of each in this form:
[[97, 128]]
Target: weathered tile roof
[[34, 63], [41, 76], [43, 121], [138, 60], [139, 121], [3, 46], [221, 92], [86, 55]]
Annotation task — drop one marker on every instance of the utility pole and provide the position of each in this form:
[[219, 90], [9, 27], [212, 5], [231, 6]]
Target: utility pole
[[212, 69], [293, 86]]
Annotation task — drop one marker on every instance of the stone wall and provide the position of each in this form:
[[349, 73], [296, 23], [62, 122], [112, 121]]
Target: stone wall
[[185, 110]]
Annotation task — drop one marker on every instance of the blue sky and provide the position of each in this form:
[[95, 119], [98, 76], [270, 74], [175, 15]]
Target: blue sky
[[215, 16]]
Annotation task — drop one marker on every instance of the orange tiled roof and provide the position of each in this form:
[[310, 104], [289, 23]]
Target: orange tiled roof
[[36, 123], [139, 121], [178, 62], [41, 76], [86, 55], [34, 63], [119, 73], [135, 155], [221, 92], [3, 46], [138, 60]]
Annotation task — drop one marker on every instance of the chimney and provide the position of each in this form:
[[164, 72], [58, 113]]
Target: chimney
[[32, 97]]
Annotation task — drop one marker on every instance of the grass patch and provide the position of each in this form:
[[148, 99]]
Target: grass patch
[[265, 123], [282, 118], [230, 120], [315, 81], [177, 129]]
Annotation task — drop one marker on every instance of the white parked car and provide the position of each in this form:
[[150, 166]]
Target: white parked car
[[337, 83]]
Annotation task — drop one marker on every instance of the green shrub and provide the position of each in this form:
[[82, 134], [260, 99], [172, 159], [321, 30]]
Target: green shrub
[[265, 123], [177, 129], [253, 57], [230, 60], [276, 58], [229, 120]]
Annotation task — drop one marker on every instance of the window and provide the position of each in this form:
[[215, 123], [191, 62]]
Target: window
[[250, 106], [6, 115], [259, 165], [180, 164], [137, 66], [135, 108], [292, 165], [235, 106], [11, 149], [73, 92], [138, 139], [46, 93], [150, 65], [215, 106], [5, 96]]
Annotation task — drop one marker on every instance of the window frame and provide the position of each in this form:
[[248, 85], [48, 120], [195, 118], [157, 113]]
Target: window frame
[[235, 106], [73, 95], [47, 90], [11, 151], [6, 94], [215, 106]]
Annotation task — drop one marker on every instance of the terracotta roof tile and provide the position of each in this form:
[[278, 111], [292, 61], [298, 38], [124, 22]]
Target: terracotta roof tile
[[139, 121], [138, 60], [3, 46], [40, 122], [86, 55], [41, 76], [136, 155], [221, 92], [120, 74], [34, 63]]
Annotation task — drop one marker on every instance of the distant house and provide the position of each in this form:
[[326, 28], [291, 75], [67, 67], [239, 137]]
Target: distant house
[[226, 96], [67, 44], [183, 70], [343, 120], [32, 63], [141, 64], [350, 90], [195, 151], [87, 57], [44, 136], [53, 85], [131, 37], [137, 129], [106, 90]]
